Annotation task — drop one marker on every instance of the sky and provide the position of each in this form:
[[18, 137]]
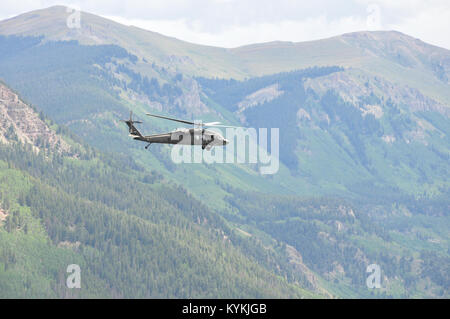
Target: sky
[[232, 23]]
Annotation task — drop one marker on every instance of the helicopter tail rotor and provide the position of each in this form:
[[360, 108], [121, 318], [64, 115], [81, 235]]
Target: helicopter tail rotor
[[130, 123]]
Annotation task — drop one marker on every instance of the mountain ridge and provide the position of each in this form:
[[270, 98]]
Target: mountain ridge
[[431, 74]]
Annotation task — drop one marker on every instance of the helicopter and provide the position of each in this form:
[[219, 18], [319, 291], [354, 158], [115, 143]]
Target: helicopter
[[198, 135]]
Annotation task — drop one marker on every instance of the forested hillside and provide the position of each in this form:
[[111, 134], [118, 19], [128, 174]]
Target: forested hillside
[[132, 233], [338, 238], [376, 159], [92, 91], [346, 131]]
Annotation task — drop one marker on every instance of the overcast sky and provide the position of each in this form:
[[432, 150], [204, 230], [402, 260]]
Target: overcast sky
[[230, 23]]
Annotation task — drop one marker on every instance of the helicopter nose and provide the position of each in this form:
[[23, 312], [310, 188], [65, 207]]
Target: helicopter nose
[[225, 141]]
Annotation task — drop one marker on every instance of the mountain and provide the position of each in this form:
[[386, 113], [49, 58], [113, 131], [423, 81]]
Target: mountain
[[344, 130], [95, 30], [364, 149], [391, 54], [130, 240]]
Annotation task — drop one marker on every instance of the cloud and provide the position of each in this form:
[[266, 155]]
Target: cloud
[[431, 25], [237, 35]]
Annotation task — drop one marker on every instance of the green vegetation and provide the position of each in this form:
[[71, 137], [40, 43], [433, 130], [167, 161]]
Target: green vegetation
[[135, 239], [364, 175], [338, 240], [338, 146]]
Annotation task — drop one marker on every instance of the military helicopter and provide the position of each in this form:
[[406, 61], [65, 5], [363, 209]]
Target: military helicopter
[[198, 135]]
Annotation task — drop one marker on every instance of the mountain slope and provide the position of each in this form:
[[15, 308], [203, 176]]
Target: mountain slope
[[132, 240], [393, 55], [347, 130], [99, 85], [95, 30], [88, 88], [21, 123]]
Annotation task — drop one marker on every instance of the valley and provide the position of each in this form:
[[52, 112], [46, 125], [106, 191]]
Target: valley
[[364, 173]]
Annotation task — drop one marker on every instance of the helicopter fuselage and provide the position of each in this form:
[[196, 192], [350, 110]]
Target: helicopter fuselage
[[198, 135], [184, 136]]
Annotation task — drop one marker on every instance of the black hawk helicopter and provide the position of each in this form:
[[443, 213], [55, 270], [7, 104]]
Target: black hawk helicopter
[[198, 135]]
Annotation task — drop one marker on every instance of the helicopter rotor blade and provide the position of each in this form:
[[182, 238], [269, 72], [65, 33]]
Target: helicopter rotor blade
[[171, 119], [231, 126], [208, 124], [131, 119]]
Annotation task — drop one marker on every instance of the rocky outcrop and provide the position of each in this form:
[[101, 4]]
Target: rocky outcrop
[[20, 122], [3, 215], [189, 101], [295, 258], [261, 96], [353, 86]]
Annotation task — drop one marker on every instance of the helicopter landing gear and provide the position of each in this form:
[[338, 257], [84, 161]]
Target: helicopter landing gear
[[146, 147], [207, 146]]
